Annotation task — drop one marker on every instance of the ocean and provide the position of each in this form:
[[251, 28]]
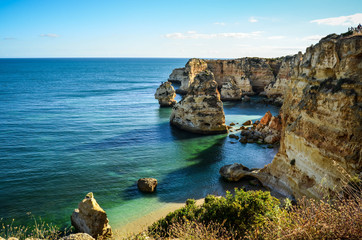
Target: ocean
[[73, 126]]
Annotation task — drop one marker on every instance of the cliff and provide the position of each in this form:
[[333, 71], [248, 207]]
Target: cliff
[[245, 76], [201, 110], [321, 119], [321, 136]]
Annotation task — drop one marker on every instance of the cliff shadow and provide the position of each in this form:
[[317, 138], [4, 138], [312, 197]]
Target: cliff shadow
[[192, 181]]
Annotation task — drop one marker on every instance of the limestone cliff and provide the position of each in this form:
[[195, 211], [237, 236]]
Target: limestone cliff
[[321, 120], [278, 87], [248, 75], [201, 110]]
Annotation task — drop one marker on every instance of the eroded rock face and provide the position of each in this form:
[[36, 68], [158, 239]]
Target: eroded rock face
[[247, 74], [201, 110], [90, 218], [165, 94], [147, 184], [321, 120], [193, 67], [230, 91], [276, 89], [178, 75]]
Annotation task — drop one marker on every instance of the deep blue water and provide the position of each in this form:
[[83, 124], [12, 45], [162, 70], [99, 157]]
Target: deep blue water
[[72, 126]]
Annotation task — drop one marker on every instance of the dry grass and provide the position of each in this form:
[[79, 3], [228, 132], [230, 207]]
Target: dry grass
[[339, 217], [38, 230], [197, 230], [311, 219]]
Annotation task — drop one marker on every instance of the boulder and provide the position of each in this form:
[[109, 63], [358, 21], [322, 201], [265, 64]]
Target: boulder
[[78, 236], [234, 172], [201, 110], [243, 140], [249, 122], [246, 99], [147, 184], [91, 218], [165, 94], [234, 136], [275, 124], [266, 119]]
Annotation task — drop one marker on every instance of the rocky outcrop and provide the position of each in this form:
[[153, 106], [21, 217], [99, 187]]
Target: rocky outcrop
[[91, 218], [165, 94], [321, 130], [147, 184], [265, 131], [201, 110]]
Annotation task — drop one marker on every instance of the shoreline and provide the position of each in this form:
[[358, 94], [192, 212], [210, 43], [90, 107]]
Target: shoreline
[[141, 224]]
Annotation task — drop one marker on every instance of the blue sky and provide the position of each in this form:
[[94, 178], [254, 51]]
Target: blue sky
[[151, 28]]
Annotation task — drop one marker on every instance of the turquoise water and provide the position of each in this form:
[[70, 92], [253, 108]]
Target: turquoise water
[[73, 126]]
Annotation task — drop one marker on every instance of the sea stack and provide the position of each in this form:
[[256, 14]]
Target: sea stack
[[91, 218], [165, 94], [201, 110]]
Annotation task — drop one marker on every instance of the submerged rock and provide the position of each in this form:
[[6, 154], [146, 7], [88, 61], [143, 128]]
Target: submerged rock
[[147, 184], [165, 94], [201, 110], [91, 218]]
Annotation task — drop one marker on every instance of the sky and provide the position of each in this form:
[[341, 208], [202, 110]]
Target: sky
[[172, 28]]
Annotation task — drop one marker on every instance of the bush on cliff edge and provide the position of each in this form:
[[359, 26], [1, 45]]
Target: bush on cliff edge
[[236, 213]]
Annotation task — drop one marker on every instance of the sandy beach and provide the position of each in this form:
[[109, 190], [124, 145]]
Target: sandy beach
[[143, 222]]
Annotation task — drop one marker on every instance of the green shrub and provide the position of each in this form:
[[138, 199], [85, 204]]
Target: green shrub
[[238, 213]]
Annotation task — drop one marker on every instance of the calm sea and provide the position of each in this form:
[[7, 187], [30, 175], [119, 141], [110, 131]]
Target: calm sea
[[73, 126]]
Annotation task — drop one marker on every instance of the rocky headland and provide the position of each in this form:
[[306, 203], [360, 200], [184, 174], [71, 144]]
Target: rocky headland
[[319, 125]]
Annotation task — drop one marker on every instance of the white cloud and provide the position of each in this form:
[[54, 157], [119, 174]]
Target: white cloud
[[313, 38], [276, 37], [351, 20], [195, 35], [253, 20], [50, 35], [220, 23]]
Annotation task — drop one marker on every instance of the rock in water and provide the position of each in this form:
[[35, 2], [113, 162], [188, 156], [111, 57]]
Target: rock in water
[[91, 218], [165, 94], [201, 110], [234, 172], [147, 184]]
